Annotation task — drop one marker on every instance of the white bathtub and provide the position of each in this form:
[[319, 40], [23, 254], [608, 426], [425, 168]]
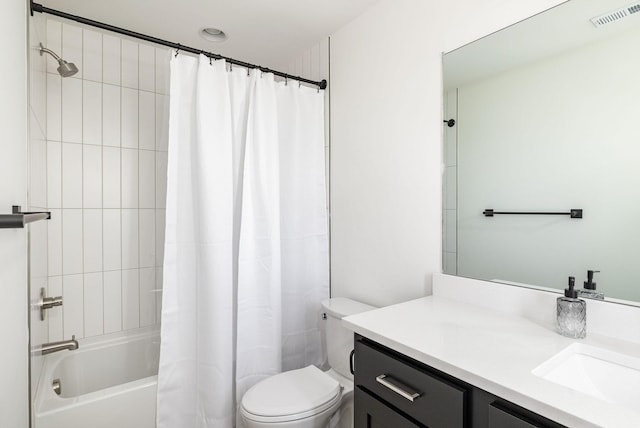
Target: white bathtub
[[104, 384]]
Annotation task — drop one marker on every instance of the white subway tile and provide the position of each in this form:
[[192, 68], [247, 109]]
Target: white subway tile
[[38, 249], [129, 178], [91, 112], [147, 73], [38, 172], [112, 242], [129, 118], [54, 107], [450, 263], [130, 239], [112, 301], [129, 64], [160, 225], [450, 231], [91, 176], [110, 177], [161, 179], [111, 59], [71, 241], [38, 103], [162, 122], [93, 304], [159, 279], [147, 180], [73, 307], [92, 240], [72, 47], [92, 55], [451, 188], [54, 174], [130, 299], [147, 238], [163, 57], [72, 110], [54, 243], [71, 175], [53, 42], [111, 115], [54, 315], [147, 296], [147, 120]]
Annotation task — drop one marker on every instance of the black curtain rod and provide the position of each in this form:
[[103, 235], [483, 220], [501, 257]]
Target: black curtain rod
[[36, 7]]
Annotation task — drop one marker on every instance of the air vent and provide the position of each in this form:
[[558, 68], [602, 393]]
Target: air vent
[[615, 15]]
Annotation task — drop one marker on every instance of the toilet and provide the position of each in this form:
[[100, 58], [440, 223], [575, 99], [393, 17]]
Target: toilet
[[310, 397]]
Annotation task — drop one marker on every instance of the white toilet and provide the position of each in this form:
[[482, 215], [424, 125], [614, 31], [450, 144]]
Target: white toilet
[[309, 397]]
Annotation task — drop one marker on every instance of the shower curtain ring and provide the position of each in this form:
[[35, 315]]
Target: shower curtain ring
[[177, 51], [286, 80]]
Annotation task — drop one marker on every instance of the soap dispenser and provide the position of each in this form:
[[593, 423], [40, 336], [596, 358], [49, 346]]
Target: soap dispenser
[[589, 290], [572, 313]]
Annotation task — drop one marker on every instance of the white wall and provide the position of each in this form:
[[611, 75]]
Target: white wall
[[386, 131], [553, 135], [106, 157], [14, 410]]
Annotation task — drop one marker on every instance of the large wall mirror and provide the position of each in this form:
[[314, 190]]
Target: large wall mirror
[[547, 120]]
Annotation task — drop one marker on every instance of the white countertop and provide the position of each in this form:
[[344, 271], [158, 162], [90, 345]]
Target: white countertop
[[495, 352]]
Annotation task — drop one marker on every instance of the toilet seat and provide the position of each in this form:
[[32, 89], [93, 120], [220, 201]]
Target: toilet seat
[[292, 395]]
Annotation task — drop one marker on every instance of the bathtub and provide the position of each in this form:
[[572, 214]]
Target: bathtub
[[106, 383]]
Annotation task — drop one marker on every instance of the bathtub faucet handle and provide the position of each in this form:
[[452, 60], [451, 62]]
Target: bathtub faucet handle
[[47, 302]]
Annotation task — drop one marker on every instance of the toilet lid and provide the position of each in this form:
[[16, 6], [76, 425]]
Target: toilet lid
[[291, 393]]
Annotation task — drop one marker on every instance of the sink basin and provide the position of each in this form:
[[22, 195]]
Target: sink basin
[[598, 372]]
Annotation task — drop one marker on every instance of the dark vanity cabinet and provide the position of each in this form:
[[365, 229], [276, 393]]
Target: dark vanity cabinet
[[395, 391]]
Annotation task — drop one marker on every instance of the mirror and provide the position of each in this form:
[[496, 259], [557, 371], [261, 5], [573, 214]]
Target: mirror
[[547, 120]]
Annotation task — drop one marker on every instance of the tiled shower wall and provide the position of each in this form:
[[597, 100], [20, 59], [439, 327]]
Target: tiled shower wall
[[450, 186], [104, 172]]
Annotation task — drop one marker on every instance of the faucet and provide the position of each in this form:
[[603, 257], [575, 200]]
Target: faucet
[[71, 345]]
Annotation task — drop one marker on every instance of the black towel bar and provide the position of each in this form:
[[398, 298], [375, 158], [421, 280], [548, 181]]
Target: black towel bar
[[17, 219], [574, 213]]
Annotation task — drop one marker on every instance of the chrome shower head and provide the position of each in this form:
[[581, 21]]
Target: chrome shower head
[[65, 69]]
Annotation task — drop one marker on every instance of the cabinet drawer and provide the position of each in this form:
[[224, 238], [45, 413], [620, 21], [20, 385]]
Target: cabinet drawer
[[423, 396], [502, 417], [371, 413]]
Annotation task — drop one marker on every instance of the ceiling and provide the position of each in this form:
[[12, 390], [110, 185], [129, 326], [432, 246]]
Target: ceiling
[[553, 32], [264, 32]]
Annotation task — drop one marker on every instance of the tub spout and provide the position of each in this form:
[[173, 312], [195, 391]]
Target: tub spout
[[71, 345]]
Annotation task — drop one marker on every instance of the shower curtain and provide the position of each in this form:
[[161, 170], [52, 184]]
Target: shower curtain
[[246, 246]]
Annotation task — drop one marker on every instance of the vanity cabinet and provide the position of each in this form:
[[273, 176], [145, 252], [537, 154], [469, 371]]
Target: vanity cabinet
[[393, 390]]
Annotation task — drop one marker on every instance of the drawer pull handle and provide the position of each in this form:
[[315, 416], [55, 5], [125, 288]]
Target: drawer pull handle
[[397, 387]]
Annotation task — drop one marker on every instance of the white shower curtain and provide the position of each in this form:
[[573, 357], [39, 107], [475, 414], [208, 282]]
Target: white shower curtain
[[246, 246]]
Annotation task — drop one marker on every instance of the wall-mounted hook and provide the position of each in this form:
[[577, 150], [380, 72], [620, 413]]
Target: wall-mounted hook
[[450, 123]]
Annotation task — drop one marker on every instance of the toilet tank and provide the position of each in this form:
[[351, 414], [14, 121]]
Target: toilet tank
[[339, 339]]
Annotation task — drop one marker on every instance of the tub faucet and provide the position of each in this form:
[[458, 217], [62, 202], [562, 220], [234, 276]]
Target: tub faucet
[[71, 345]]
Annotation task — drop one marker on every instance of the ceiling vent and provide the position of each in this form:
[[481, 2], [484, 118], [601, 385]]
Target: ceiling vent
[[615, 15]]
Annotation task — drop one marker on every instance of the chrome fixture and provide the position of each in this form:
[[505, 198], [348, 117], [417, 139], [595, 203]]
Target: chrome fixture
[[71, 345], [57, 386], [65, 69], [47, 302]]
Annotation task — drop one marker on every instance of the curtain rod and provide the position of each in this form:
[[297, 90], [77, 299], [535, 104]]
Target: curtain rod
[[36, 7]]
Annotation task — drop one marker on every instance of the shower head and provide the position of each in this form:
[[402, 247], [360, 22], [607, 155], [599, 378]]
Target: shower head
[[65, 69]]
